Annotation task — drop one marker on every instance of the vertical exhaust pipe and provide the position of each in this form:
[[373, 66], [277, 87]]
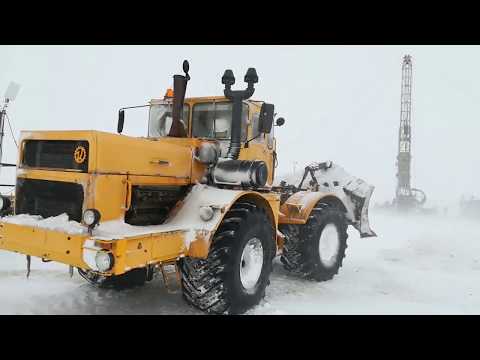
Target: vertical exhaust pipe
[[179, 89]]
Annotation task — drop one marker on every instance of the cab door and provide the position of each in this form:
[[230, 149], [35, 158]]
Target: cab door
[[262, 147]]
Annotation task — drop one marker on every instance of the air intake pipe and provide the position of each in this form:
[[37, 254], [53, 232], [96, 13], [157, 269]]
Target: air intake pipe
[[237, 96]]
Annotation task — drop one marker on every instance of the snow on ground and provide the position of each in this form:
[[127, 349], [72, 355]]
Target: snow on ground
[[417, 265]]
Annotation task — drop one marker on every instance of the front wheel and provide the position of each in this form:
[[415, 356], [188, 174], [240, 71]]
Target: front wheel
[[316, 250], [236, 272]]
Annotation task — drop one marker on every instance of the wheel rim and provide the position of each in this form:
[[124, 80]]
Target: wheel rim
[[329, 245], [251, 264]]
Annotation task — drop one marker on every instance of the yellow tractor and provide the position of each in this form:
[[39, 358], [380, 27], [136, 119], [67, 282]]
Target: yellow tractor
[[195, 196]]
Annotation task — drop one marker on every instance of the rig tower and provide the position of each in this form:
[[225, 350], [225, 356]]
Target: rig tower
[[406, 197]]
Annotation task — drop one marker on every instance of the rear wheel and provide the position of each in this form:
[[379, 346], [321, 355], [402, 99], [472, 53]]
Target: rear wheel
[[236, 272], [316, 250]]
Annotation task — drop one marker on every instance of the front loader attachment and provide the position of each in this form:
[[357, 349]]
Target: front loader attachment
[[358, 192], [354, 192]]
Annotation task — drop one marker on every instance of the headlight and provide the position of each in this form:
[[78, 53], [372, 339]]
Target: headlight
[[91, 217], [104, 260], [2, 202], [206, 213]]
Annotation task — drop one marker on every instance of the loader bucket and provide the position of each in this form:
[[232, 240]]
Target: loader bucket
[[359, 193], [354, 192]]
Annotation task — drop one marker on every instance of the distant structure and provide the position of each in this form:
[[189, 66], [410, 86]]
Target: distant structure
[[470, 207], [406, 197]]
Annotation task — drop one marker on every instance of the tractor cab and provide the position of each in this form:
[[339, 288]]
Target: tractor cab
[[204, 118], [208, 118], [239, 128], [233, 117]]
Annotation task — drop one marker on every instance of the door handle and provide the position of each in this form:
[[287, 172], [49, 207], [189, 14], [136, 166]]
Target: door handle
[[160, 162]]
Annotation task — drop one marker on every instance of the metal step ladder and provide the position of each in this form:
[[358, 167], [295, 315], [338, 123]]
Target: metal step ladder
[[170, 274]]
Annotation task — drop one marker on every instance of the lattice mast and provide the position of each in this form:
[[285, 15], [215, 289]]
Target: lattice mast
[[404, 135]]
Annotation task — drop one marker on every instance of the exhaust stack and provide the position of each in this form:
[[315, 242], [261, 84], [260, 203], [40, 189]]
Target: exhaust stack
[[178, 129]]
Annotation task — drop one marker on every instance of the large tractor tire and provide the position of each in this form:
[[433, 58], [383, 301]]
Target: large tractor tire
[[316, 250], [236, 272]]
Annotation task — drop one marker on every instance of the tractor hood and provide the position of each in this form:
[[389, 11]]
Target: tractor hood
[[107, 153]]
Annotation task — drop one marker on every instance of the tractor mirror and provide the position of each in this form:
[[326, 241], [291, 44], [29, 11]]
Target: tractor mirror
[[265, 120], [280, 121], [121, 121]]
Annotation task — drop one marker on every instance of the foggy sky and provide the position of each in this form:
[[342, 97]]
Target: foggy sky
[[341, 103]]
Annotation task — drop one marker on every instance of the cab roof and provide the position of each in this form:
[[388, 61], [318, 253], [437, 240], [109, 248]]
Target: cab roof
[[194, 100]]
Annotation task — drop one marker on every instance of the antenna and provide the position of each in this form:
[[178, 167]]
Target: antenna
[[10, 96], [12, 92]]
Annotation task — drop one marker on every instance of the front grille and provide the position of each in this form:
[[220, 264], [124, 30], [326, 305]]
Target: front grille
[[56, 154], [151, 205], [48, 198]]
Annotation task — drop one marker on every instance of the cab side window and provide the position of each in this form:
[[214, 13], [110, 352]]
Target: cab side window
[[214, 120], [203, 120], [255, 131], [244, 121]]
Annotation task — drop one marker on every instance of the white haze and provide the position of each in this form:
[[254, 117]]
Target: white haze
[[340, 103]]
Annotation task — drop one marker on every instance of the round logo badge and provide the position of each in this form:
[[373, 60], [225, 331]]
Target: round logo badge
[[80, 155]]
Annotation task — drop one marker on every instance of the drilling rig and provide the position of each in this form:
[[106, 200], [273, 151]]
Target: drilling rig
[[406, 197]]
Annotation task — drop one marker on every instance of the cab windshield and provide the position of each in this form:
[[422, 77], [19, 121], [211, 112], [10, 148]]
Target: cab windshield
[[214, 120], [160, 119]]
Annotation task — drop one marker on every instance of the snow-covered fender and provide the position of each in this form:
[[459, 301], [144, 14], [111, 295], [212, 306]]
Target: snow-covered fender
[[200, 232], [337, 188], [298, 207]]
